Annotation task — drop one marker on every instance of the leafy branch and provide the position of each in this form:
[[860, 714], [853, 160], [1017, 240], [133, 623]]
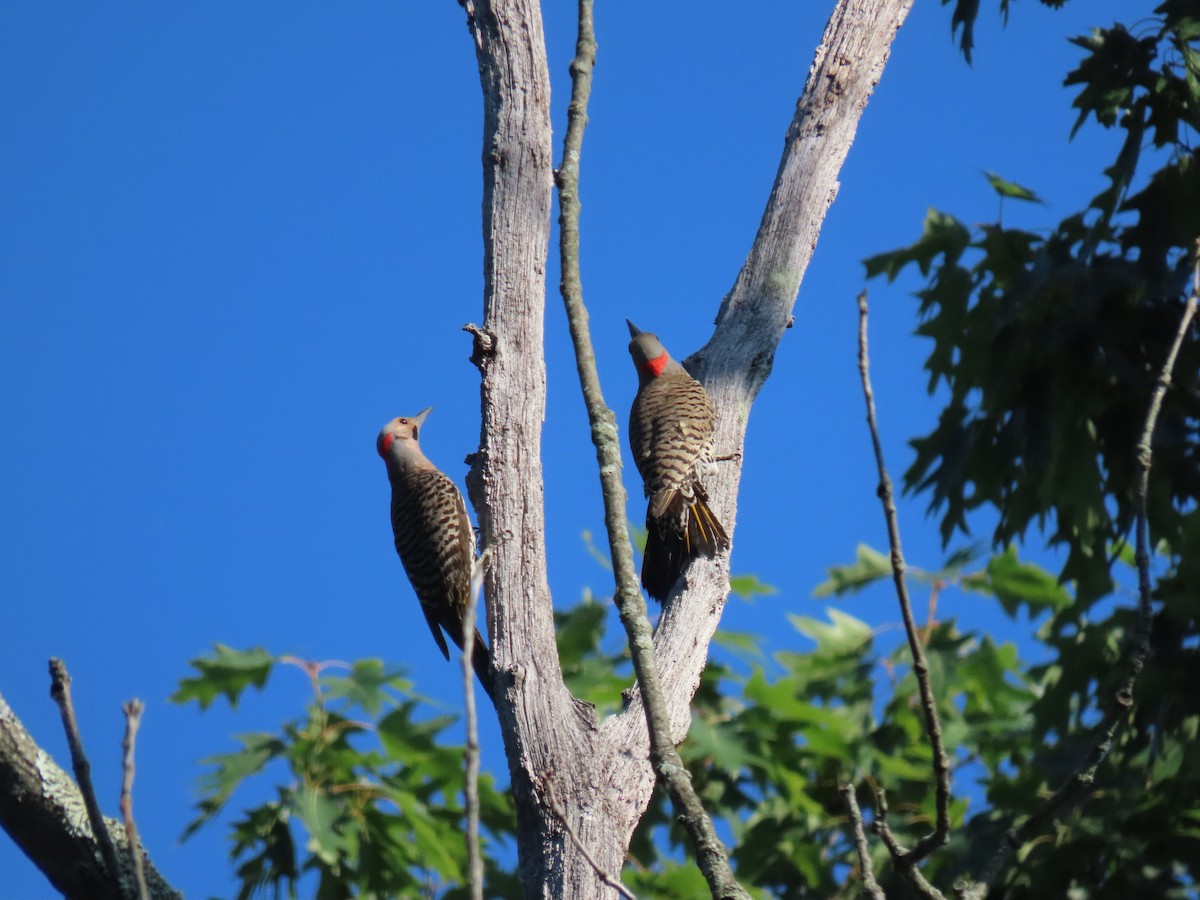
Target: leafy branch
[[1122, 700]]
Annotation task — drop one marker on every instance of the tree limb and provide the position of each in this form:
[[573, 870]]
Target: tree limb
[[710, 852], [544, 728], [133, 719], [933, 726], [43, 812], [870, 885], [552, 801], [752, 319], [602, 770], [60, 691], [471, 761]]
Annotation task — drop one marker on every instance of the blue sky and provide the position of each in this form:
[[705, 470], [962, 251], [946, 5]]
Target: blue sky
[[235, 239]]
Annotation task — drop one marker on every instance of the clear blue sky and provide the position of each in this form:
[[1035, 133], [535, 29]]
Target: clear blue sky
[[235, 239]]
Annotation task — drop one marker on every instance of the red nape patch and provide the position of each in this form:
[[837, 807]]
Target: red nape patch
[[654, 367], [385, 443]]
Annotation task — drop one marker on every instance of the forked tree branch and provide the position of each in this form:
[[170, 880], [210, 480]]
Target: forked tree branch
[[601, 768], [668, 766], [42, 810], [753, 318], [870, 885], [1122, 701]]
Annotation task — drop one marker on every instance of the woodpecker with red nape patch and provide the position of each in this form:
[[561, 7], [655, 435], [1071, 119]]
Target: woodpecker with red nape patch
[[433, 537], [671, 436]]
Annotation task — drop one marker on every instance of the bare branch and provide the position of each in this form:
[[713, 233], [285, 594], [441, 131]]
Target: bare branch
[[43, 812], [933, 727], [898, 853], [60, 690], [557, 808], [133, 719], [1122, 701], [471, 756], [870, 885], [710, 852]]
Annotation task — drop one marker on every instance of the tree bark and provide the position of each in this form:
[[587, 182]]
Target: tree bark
[[600, 772], [43, 811]]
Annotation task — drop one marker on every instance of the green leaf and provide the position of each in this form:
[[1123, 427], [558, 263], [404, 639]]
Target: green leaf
[[745, 645], [943, 236], [748, 587], [579, 630], [365, 686], [719, 743], [1011, 189], [229, 771], [1108, 73], [897, 766], [265, 829], [227, 672], [674, 881], [870, 565], [844, 635], [1014, 582], [320, 815], [438, 843], [409, 742]]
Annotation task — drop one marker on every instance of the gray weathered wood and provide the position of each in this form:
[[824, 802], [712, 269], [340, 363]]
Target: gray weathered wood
[[601, 774]]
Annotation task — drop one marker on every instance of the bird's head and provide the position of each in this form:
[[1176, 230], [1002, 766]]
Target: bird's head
[[650, 357], [397, 442]]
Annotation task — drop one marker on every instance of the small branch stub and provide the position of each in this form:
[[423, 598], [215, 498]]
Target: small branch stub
[[133, 719], [483, 347]]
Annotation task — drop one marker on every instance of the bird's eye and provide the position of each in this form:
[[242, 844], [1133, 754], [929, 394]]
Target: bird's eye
[[404, 421]]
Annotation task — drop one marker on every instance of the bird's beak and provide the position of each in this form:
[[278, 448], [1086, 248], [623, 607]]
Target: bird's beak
[[633, 329], [419, 418]]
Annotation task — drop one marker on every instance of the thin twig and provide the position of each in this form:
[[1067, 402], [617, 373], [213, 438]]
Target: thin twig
[[471, 788], [60, 690], [1122, 701], [561, 814], [711, 856], [933, 727], [870, 885], [133, 719], [898, 853]]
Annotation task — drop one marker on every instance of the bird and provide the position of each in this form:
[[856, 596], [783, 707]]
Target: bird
[[671, 437], [434, 538]]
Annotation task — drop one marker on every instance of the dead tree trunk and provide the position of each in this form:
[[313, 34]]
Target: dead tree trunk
[[599, 772]]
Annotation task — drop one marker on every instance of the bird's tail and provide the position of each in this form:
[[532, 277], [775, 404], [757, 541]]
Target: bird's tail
[[687, 529]]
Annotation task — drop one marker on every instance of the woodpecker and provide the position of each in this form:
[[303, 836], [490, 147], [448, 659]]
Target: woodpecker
[[671, 436], [433, 537]]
